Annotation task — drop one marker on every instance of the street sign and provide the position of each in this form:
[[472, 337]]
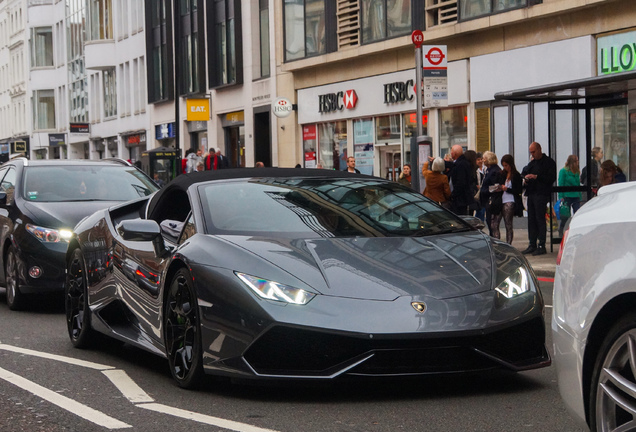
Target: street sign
[[417, 37], [434, 75]]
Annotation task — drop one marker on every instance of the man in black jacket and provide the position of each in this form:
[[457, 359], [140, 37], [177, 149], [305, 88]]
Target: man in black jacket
[[540, 175], [460, 176]]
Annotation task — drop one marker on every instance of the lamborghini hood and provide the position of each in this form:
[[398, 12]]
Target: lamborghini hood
[[383, 268]]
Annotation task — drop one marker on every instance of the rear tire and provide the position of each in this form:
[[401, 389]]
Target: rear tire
[[15, 299], [78, 314], [612, 389], [182, 331]]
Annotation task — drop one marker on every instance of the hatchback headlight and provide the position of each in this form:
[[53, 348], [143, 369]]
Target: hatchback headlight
[[49, 235], [275, 291], [515, 284]]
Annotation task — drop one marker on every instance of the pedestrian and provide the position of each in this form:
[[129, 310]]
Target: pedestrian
[[200, 167], [512, 187], [158, 180], [259, 165], [223, 161], [490, 193], [351, 165], [193, 158], [460, 179], [569, 175], [471, 156], [594, 168], [540, 174], [481, 173], [405, 175], [437, 187], [610, 174]]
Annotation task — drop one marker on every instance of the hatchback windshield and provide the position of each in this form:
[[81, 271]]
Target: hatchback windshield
[[322, 208], [85, 183]]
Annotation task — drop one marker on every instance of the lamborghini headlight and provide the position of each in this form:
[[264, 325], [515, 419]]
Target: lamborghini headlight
[[49, 235], [275, 291], [515, 284]]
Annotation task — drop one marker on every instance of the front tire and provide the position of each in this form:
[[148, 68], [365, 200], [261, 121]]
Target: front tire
[[182, 331], [613, 387], [15, 299], [78, 314]]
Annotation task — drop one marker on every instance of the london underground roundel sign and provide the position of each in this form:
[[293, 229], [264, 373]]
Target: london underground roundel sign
[[282, 107]]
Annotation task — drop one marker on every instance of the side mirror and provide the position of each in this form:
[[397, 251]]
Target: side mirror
[[142, 230], [474, 222]]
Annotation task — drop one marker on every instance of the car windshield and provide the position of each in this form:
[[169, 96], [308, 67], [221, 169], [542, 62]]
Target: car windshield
[[85, 183], [318, 207]]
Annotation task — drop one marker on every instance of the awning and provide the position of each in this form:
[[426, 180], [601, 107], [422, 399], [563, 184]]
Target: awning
[[594, 88]]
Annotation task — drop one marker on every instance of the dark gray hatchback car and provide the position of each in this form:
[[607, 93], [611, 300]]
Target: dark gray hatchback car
[[40, 203]]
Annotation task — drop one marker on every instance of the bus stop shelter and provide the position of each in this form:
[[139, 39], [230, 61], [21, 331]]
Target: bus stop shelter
[[583, 96]]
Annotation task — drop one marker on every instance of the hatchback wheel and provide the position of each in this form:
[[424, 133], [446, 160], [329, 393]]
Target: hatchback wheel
[[182, 331], [613, 388], [15, 299], [78, 314]]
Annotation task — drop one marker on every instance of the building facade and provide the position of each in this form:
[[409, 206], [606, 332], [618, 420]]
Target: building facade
[[350, 68]]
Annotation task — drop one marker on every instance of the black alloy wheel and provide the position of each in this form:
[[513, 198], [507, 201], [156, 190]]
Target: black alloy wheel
[[78, 314], [15, 299], [182, 331], [613, 388]]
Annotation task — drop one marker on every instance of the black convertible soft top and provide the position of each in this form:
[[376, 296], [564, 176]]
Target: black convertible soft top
[[178, 186]]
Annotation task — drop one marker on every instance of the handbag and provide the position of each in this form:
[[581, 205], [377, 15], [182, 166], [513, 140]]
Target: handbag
[[495, 203], [564, 209]]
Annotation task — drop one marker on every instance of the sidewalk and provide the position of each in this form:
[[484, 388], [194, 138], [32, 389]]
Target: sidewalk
[[543, 265]]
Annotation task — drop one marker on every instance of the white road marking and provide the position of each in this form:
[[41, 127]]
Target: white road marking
[[55, 357], [63, 402], [127, 386], [201, 418]]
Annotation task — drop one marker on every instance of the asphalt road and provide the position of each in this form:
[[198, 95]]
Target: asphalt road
[[119, 387]]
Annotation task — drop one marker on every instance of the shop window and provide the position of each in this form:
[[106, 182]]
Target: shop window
[[42, 47], [363, 145], [452, 128], [388, 129], [615, 138], [304, 28], [43, 109], [476, 8], [332, 145], [383, 19]]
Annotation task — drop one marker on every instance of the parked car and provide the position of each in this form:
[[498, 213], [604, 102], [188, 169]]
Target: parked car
[[40, 203], [301, 274], [594, 313]]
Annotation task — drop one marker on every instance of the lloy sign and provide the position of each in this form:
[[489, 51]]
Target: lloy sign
[[282, 107], [616, 53]]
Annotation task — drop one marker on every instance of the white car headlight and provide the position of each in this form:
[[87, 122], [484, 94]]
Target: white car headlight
[[49, 235], [515, 284], [275, 291]]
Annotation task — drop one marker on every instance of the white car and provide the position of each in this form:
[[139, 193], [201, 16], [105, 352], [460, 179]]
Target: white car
[[594, 314]]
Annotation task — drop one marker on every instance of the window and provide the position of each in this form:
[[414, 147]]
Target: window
[[43, 109], [110, 93], [476, 8], [41, 47], [189, 48], [452, 128], [160, 48], [225, 44], [101, 19], [382, 19], [304, 28], [263, 20]]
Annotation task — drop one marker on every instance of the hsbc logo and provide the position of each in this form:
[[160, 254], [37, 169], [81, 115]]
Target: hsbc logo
[[331, 102], [350, 99]]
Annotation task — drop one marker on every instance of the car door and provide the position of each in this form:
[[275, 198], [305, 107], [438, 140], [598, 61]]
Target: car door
[[7, 211]]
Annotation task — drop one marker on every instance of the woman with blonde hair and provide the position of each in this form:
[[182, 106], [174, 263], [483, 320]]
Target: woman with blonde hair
[[437, 187], [490, 194]]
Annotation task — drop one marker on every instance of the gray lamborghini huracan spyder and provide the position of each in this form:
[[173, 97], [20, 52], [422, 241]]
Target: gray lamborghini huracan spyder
[[301, 274]]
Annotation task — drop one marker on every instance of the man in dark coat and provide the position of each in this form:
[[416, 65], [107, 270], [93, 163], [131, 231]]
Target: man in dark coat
[[539, 176], [462, 194]]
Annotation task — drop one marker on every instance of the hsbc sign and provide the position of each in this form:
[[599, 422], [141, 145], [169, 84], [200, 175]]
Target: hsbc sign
[[331, 102]]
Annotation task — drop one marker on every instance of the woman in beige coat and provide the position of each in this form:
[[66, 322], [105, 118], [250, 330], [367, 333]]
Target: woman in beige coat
[[437, 187]]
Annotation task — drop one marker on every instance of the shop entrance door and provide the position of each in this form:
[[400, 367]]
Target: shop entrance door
[[235, 143], [390, 161]]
